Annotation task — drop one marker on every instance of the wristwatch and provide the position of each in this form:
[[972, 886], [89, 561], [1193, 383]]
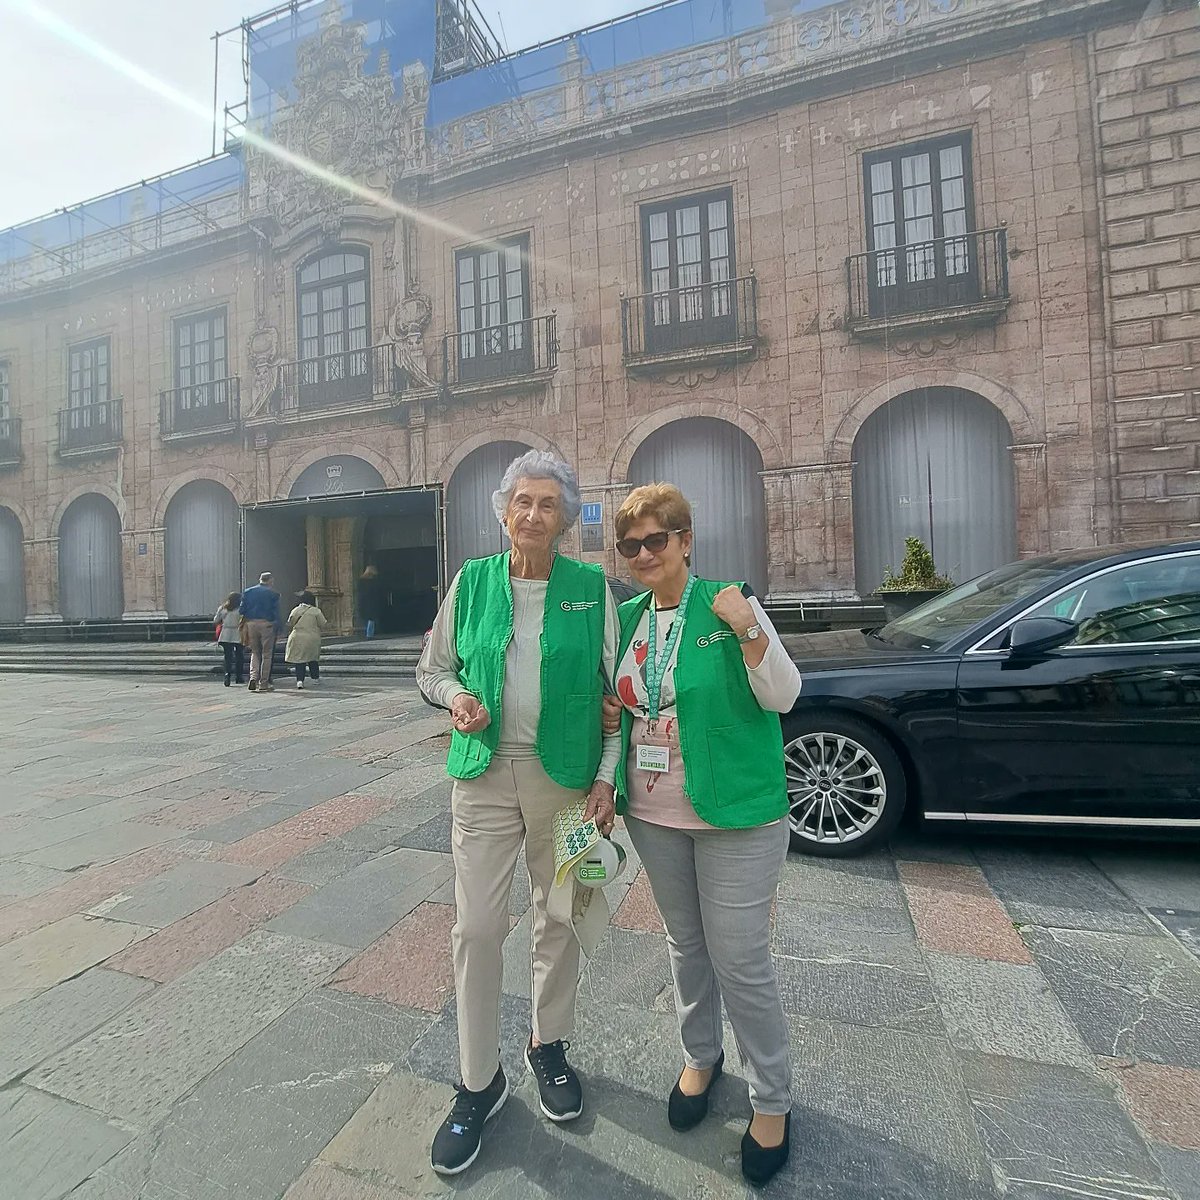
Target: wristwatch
[[750, 635]]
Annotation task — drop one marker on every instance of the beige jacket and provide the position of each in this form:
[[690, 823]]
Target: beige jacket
[[307, 623]]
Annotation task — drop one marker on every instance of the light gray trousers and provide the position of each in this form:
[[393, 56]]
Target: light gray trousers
[[714, 889]]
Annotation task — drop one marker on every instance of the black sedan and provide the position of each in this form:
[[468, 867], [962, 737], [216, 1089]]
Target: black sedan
[[1057, 691]]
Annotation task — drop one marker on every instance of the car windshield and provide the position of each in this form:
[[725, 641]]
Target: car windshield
[[941, 620]]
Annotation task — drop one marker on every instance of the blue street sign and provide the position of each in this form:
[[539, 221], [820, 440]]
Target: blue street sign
[[593, 514]]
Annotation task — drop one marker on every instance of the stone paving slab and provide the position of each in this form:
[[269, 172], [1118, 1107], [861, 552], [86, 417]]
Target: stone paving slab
[[41, 1026], [100, 846], [242, 824], [19, 881], [1065, 891], [1051, 1131], [251, 1126], [194, 1023], [1180, 1170], [338, 856], [434, 834], [629, 968], [846, 935], [176, 893], [1004, 1009], [48, 1146], [360, 906], [1130, 997], [1163, 1101], [868, 882], [181, 946], [39, 960], [1155, 877], [323, 1181], [1184, 925]]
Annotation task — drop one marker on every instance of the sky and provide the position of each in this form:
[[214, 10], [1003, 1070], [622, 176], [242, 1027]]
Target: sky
[[72, 127]]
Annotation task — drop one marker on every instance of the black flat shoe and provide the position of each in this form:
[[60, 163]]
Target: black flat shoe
[[760, 1164], [686, 1112]]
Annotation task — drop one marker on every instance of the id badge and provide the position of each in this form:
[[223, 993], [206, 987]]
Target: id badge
[[653, 758]]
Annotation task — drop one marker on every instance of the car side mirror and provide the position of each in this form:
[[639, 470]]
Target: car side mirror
[[1035, 635]]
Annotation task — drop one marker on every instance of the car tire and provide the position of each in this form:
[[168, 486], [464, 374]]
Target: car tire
[[846, 784]]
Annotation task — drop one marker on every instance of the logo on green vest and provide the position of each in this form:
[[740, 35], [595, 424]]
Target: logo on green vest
[[714, 637], [578, 605]]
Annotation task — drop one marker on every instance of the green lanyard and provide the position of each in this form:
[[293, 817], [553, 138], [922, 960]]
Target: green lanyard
[[656, 667]]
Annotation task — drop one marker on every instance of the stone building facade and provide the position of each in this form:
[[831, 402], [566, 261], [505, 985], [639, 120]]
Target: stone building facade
[[844, 272]]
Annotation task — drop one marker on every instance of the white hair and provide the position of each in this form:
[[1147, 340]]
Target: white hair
[[538, 464], [265, 577]]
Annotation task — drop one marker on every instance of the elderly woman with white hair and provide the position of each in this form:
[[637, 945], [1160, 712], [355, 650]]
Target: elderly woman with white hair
[[520, 654]]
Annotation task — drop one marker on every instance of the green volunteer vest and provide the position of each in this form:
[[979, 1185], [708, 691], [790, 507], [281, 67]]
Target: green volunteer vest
[[569, 733], [732, 748]]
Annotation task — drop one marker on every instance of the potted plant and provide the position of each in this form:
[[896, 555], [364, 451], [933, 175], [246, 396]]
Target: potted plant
[[917, 581]]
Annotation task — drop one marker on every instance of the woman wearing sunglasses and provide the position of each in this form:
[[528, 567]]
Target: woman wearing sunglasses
[[700, 678]]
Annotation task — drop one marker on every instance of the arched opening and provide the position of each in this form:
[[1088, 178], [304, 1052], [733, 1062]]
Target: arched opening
[[935, 464], [203, 550], [472, 530], [717, 467], [89, 561], [12, 567], [339, 475]]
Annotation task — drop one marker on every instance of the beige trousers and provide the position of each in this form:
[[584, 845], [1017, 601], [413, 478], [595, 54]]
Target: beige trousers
[[262, 650], [513, 801]]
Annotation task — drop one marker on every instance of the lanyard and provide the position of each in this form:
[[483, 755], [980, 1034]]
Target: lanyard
[[656, 667]]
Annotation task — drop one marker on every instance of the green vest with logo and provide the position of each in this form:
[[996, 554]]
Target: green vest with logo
[[732, 748], [569, 733]]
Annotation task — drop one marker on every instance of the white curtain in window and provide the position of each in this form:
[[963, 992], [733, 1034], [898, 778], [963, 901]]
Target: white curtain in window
[[12, 568], [89, 561], [935, 464], [202, 549], [716, 466], [472, 530]]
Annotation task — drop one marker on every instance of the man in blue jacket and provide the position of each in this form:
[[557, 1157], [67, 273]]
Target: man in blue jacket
[[260, 610]]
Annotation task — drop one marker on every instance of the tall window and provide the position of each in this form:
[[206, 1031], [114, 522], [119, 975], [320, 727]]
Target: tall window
[[89, 385], [201, 359], [919, 221], [689, 267], [492, 285], [5, 393], [334, 327]]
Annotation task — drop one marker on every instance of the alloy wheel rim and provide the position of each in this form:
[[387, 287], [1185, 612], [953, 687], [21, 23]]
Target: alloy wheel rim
[[836, 788]]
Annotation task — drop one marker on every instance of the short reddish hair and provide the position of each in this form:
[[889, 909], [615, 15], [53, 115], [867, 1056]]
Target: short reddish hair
[[663, 501]]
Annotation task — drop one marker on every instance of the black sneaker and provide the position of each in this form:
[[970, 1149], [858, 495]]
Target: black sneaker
[[559, 1090], [456, 1143]]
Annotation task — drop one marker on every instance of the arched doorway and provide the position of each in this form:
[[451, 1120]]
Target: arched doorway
[[718, 468], [89, 561], [202, 548], [472, 530], [12, 567], [935, 464], [338, 475]]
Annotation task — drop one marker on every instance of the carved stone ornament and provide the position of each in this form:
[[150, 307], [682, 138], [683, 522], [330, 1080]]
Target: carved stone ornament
[[924, 347], [691, 378], [263, 355], [345, 121]]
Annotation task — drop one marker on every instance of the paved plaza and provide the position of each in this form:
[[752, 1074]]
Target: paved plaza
[[225, 972]]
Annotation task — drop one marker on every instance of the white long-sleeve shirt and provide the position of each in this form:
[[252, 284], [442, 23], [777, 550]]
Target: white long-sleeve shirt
[[521, 698]]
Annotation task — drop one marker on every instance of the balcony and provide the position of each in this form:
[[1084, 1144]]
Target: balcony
[[950, 281], [89, 429], [710, 323], [348, 381], [504, 357], [10, 442], [201, 410]]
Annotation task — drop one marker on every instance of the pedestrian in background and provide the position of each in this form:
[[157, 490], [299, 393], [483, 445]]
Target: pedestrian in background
[[228, 623], [701, 676], [307, 623], [260, 610], [370, 598]]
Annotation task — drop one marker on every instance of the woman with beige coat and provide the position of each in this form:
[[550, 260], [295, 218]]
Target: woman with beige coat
[[306, 622]]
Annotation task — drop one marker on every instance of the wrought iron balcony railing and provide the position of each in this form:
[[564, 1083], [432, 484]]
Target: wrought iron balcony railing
[[928, 278], [200, 408], [499, 352], [719, 317], [339, 380], [89, 427], [10, 441]]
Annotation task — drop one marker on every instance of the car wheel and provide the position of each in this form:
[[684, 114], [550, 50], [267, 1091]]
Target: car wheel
[[846, 785]]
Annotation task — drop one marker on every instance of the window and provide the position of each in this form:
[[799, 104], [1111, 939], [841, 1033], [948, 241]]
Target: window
[[89, 389], [492, 292], [687, 248], [5, 393], [201, 359], [1156, 600], [919, 224], [334, 327]]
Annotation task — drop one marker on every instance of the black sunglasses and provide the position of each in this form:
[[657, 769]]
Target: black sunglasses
[[656, 543]]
